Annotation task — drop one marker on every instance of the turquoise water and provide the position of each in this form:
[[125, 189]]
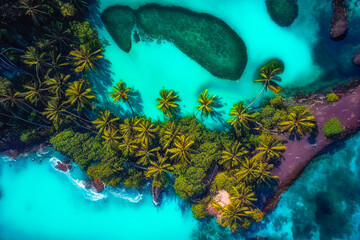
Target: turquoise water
[[39, 202], [151, 66]]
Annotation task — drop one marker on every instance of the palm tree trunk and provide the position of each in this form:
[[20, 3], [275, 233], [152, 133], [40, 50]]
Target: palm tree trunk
[[132, 110], [137, 166], [263, 89], [20, 118], [72, 114]]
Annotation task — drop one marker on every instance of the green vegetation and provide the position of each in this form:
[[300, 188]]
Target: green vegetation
[[332, 128], [332, 97], [204, 38], [283, 12]]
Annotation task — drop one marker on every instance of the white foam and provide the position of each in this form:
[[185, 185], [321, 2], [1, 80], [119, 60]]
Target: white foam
[[123, 193], [90, 194], [7, 159]]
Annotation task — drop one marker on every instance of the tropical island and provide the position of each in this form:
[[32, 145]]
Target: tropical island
[[235, 174]]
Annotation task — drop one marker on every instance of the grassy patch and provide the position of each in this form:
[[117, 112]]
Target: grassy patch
[[332, 128]]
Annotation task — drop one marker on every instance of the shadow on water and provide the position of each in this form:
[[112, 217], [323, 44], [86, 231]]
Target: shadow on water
[[136, 102]]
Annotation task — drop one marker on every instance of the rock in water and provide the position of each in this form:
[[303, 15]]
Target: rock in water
[[62, 166], [356, 59], [99, 185], [339, 21]]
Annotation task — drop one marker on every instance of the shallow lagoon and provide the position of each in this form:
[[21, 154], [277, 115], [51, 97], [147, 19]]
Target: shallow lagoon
[[151, 66]]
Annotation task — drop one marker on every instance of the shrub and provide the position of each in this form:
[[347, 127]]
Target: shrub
[[332, 128], [27, 136], [199, 210], [68, 10], [332, 97]]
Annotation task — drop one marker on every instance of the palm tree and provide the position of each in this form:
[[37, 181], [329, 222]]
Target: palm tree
[[270, 148], [57, 84], [32, 9], [105, 122], [34, 93], [182, 149], [269, 76], [145, 154], [84, 59], [232, 157], [128, 146], [263, 173], [111, 138], [120, 92], [159, 169], [146, 131], [232, 215], [300, 121], [170, 134], [248, 169], [167, 102], [59, 35], [79, 94], [239, 119], [55, 65], [129, 125], [206, 103], [10, 98], [55, 112], [243, 196], [33, 58]]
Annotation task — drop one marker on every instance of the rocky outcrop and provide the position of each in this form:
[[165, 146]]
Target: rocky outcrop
[[64, 165], [356, 59], [99, 185], [339, 22], [155, 192]]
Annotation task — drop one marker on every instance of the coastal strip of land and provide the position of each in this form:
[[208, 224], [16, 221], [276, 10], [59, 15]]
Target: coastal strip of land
[[300, 152]]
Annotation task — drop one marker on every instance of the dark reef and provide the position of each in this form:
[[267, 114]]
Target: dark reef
[[339, 22], [204, 38], [283, 12]]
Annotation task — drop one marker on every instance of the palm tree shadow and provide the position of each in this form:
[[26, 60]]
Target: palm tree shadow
[[101, 80], [216, 115], [136, 101]]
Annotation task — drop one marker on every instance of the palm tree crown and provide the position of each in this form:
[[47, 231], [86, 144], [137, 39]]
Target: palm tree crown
[[206, 101], [167, 102], [121, 92], [79, 94], [239, 119], [270, 148], [105, 122], [232, 157], [300, 121], [182, 149], [84, 59]]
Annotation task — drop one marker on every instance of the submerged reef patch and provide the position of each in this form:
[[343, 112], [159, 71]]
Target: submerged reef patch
[[204, 38], [283, 12], [119, 22]]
